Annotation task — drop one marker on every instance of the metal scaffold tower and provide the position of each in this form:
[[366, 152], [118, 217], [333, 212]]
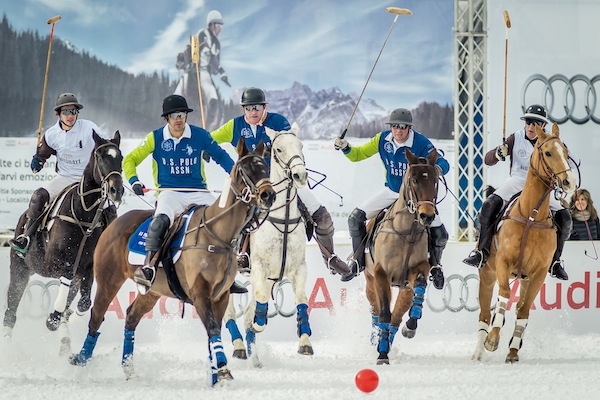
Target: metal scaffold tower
[[470, 55]]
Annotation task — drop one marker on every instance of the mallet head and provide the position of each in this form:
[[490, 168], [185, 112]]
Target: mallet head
[[54, 19], [506, 19], [398, 11]]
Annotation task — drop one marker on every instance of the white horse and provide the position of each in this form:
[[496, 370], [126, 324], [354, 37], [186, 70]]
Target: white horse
[[277, 248]]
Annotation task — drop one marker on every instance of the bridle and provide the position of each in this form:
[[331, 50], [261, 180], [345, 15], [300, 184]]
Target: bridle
[[409, 194], [103, 181]]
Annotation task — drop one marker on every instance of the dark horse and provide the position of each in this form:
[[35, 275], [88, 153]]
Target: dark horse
[[205, 270], [400, 253], [64, 245]]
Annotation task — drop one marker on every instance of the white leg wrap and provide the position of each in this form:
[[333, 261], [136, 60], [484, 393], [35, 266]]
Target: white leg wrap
[[517, 339], [483, 326], [498, 319], [63, 291]]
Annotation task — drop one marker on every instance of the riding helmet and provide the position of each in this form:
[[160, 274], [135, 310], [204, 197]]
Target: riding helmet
[[253, 95], [214, 17], [174, 103], [536, 112], [400, 116], [67, 99]]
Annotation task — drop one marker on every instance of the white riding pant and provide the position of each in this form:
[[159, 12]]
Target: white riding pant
[[514, 185], [385, 199], [309, 199], [58, 183], [172, 203]]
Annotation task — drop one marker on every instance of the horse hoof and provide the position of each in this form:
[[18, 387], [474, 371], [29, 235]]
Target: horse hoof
[[306, 350], [383, 361], [77, 360], [258, 328], [53, 321], [490, 345], [223, 374], [240, 354], [408, 333], [83, 305]]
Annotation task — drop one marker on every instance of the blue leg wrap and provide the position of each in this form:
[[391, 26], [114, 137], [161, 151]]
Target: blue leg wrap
[[384, 338], [128, 344], [260, 315], [88, 348], [233, 330], [393, 331], [302, 320], [250, 340], [416, 310], [215, 349]]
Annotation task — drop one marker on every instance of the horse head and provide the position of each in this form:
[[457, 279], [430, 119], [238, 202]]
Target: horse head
[[250, 177], [287, 156], [550, 160], [421, 186], [106, 164]]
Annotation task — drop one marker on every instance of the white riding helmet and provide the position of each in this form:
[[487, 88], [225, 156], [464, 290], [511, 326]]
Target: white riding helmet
[[214, 17]]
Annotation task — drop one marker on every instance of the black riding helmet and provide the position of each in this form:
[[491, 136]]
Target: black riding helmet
[[253, 96], [174, 103], [536, 112]]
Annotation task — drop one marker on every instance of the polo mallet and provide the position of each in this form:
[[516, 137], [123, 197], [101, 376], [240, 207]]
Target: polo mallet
[[507, 23], [392, 10], [51, 22], [195, 45]]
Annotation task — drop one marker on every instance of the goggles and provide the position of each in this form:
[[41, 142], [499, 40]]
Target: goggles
[[529, 121], [254, 107], [72, 111], [179, 114], [400, 126]]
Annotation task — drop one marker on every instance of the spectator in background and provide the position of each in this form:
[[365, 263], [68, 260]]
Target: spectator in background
[[586, 225]]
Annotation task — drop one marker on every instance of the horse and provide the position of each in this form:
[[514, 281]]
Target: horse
[[277, 249], [400, 253], [204, 271], [63, 247], [524, 245]]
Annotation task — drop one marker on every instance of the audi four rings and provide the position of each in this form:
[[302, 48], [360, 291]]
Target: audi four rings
[[566, 99]]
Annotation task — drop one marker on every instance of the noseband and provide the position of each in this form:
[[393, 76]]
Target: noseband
[[287, 166], [410, 195], [548, 176]]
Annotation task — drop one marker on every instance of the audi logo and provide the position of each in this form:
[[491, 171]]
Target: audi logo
[[38, 298], [460, 293], [279, 304], [567, 99]]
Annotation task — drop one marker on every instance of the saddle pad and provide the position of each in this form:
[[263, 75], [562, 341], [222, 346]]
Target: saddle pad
[[137, 242]]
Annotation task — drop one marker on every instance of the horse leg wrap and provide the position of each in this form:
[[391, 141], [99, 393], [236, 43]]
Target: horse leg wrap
[[498, 319], [251, 340], [128, 344], [384, 337], [260, 315], [416, 310], [302, 320], [374, 329], [86, 351], [63, 291], [215, 348], [517, 339], [393, 331], [233, 330]]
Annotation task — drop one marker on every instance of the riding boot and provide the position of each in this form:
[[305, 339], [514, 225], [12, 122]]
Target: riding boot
[[358, 233], [243, 256], [438, 238], [38, 201], [324, 235], [564, 225], [145, 275], [487, 218]]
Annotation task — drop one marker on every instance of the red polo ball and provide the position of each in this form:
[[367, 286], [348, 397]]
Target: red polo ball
[[366, 380]]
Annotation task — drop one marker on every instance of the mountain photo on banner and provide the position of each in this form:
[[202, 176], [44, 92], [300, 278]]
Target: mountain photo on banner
[[312, 62]]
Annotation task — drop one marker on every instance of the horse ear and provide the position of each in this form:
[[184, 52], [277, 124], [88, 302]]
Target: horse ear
[[260, 149], [539, 131], [432, 157], [555, 131], [410, 157], [117, 138], [242, 150], [295, 128], [97, 138], [271, 133]]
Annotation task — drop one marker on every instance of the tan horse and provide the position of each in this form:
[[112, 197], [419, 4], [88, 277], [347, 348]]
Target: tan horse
[[400, 253], [205, 270], [524, 245]]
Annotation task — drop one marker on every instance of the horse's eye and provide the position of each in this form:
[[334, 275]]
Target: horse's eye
[[277, 149], [548, 154]]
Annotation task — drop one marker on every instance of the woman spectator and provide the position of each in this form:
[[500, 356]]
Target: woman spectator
[[586, 225]]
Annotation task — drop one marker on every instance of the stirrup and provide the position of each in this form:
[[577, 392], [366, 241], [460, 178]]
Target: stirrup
[[558, 271], [346, 275], [476, 259], [17, 246], [243, 264], [355, 266], [144, 277], [437, 277]]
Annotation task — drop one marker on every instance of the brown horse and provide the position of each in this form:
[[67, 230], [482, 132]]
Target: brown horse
[[524, 245], [205, 270], [400, 253]]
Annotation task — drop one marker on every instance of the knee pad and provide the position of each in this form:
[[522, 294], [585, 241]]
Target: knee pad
[[38, 201], [492, 206], [439, 236], [356, 223], [563, 222], [323, 221]]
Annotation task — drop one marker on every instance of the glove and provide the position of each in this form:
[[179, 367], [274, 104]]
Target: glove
[[36, 164], [138, 188], [502, 152], [225, 79], [341, 144], [206, 156]]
